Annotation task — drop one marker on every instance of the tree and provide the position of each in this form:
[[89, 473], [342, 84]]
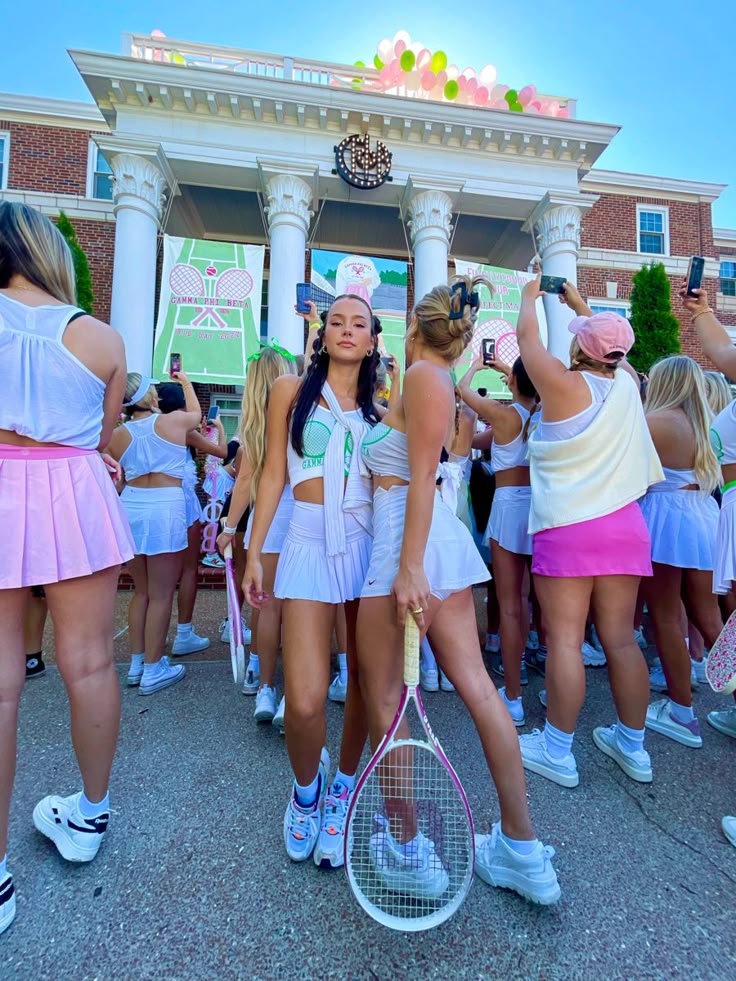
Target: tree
[[656, 328], [85, 296]]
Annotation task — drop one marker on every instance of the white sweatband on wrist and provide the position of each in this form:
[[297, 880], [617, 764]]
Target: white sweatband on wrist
[[229, 531]]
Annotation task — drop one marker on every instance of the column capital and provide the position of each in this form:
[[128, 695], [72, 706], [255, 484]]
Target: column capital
[[288, 199], [558, 223], [430, 214], [137, 183]]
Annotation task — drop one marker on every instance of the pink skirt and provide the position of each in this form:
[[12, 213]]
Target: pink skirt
[[617, 544], [60, 516]]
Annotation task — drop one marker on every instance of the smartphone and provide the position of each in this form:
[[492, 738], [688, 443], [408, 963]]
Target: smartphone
[[303, 296], [387, 361], [214, 413], [489, 350], [695, 270], [174, 364], [552, 284]]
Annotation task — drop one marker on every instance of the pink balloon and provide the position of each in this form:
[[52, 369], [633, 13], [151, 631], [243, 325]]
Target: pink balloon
[[536, 105], [471, 86], [499, 91], [481, 96], [384, 76], [442, 78], [462, 83], [499, 104], [527, 94], [563, 113], [399, 48], [532, 108], [397, 73], [424, 59], [429, 80]]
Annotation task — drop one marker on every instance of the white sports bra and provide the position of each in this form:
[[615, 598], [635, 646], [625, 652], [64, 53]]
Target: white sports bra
[[506, 456], [317, 431]]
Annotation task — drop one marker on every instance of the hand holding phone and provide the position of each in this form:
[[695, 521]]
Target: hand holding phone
[[553, 284], [303, 297], [174, 364], [695, 270], [489, 350], [213, 413]]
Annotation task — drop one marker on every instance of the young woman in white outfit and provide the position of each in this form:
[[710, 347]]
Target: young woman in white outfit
[[508, 527], [423, 564], [63, 377], [316, 426], [263, 371], [682, 517], [152, 450]]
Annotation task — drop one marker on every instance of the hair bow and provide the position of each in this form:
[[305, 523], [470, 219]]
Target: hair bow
[[273, 345]]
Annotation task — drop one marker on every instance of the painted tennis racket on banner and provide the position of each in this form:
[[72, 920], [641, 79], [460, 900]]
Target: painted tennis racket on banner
[[720, 669], [410, 793], [237, 650]]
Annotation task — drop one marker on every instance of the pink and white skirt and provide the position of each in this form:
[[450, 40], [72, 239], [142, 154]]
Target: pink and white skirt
[[60, 515]]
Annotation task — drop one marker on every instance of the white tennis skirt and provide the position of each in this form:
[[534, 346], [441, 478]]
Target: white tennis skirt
[[279, 526], [683, 527], [219, 485], [305, 570], [451, 560], [157, 518], [724, 568], [189, 486], [509, 520]]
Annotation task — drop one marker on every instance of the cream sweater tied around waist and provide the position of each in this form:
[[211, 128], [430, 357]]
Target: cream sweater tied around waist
[[604, 468]]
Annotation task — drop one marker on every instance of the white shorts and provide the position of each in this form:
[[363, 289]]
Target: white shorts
[[279, 526], [508, 523], [724, 567], [451, 560], [683, 526], [189, 486], [305, 571], [157, 518]]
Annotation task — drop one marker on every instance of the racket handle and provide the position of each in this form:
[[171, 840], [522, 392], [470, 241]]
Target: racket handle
[[411, 651], [228, 552]]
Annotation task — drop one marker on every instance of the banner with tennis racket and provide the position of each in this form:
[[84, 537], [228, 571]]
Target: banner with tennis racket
[[498, 317], [209, 308]]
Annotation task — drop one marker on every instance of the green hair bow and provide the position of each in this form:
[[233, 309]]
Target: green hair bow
[[272, 345]]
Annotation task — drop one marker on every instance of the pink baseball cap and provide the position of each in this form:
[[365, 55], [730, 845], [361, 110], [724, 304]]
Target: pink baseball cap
[[603, 335]]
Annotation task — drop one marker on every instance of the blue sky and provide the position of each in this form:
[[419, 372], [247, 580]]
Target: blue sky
[[658, 68]]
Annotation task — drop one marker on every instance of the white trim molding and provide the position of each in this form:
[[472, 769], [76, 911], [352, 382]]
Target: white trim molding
[[724, 238], [617, 182], [616, 259], [51, 112], [73, 205], [4, 158]]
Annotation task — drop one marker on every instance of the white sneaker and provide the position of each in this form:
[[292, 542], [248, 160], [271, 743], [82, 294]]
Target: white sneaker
[[515, 708], [429, 679], [302, 824], [330, 848], [445, 683], [163, 676], [418, 872], [338, 690], [7, 902], [532, 875], [135, 671], [532, 641], [265, 704], [278, 719], [252, 680], [660, 719], [724, 722], [213, 561], [595, 639], [493, 643], [191, 644], [728, 824], [245, 630], [697, 671], [637, 765], [534, 757], [592, 657], [224, 631], [78, 839]]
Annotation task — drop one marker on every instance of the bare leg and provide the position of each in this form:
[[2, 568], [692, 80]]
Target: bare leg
[[190, 574], [696, 644], [355, 726], [34, 623], [82, 611], [514, 615], [163, 574], [138, 607], [665, 607], [702, 605], [614, 607], [341, 630], [12, 677], [269, 623]]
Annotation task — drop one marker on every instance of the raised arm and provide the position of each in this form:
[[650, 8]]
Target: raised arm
[[489, 410], [189, 416], [713, 337], [198, 442], [548, 373]]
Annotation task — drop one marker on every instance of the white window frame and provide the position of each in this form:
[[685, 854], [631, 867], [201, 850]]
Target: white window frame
[[4, 158], [92, 170], [721, 261], [217, 398], [658, 209], [620, 306]]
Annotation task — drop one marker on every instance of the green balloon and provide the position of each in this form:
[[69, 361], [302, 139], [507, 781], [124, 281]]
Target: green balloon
[[358, 64], [511, 96], [438, 62], [407, 60], [377, 62], [516, 107], [451, 89]]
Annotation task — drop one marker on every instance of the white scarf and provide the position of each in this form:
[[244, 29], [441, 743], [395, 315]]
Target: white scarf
[[355, 496]]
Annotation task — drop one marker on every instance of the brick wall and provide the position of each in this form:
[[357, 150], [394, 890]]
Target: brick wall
[[97, 238], [47, 158], [611, 224]]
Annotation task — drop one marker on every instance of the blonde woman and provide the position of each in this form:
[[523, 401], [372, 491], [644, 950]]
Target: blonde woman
[[152, 450], [718, 391], [263, 370], [682, 518]]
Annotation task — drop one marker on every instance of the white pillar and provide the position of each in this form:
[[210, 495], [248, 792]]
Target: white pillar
[[558, 237], [138, 190], [430, 214], [288, 212]]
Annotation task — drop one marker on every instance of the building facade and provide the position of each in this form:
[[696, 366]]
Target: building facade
[[213, 143]]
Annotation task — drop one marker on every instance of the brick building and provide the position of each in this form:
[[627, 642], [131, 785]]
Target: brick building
[[185, 139]]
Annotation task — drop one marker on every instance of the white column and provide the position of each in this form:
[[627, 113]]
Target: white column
[[288, 212], [138, 190], [430, 214], [558, 237]]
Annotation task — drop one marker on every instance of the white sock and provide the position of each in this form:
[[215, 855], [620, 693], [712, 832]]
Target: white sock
[[254, 662], [308, 795], [3, 866], [345, 780], [342, 660], [89, 810], [681, 713], [520, 847], [136, 661], [183, 630]]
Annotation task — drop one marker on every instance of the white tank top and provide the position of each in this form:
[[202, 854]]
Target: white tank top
[[47, 393], [148, 452], [723, 435], [600, 389], [506, 456], [317, 431]]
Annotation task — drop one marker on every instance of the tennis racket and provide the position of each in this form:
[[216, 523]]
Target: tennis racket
[[720, 669], [237, 650], [409, 793]]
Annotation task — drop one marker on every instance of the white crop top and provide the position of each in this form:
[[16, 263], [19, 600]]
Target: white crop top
[[385, 452], [317, 431], [506, 456], [600, 389], [723, 435], [148, 452], [48, 394]]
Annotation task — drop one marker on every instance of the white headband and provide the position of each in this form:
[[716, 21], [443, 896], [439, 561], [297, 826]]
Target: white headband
[[145, 384]]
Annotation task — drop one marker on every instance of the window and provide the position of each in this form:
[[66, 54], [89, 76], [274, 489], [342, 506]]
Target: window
[[100, 175], [4, 158], [229, 413], [605, 306], [653, 228], [728, 278]]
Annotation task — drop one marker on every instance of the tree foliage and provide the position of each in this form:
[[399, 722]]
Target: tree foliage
[[85, 295], [656, 328]]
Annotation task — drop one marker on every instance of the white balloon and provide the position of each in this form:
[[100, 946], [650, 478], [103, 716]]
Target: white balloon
[[488, 75], [402, 36], [453, 72]]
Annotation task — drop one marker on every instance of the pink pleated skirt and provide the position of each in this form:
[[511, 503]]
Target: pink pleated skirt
[[60, 516], [617, 544]]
